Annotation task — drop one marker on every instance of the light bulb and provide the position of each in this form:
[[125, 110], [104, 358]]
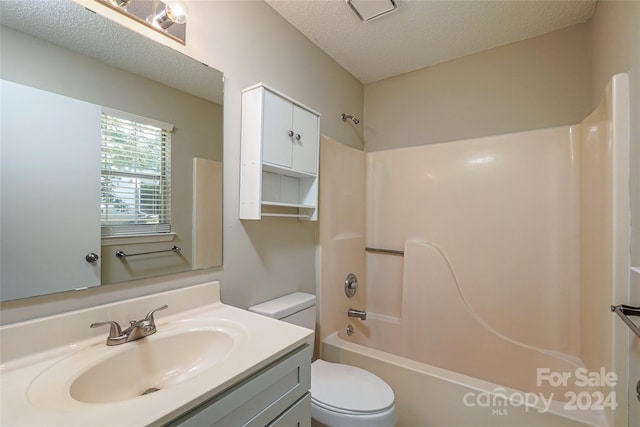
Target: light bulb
[[174, 12], [178, 10]]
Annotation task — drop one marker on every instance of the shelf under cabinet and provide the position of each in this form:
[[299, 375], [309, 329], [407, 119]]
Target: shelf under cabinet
[[283, 170], [286, 210], [287, 205], [283, 215]]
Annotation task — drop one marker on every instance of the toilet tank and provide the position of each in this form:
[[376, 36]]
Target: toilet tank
[[298, 308]]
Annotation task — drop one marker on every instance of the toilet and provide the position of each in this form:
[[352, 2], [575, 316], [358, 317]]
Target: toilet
[[341, 395]]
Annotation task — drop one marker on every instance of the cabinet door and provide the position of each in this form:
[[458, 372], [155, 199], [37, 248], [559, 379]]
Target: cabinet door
[[277, 124], [305, 149], [50, 198]]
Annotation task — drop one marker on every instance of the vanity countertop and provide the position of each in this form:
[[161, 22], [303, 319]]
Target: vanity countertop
[[40, 362]]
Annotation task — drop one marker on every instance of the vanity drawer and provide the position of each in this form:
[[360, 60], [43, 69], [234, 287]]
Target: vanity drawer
[[259, 400], [299, 415]]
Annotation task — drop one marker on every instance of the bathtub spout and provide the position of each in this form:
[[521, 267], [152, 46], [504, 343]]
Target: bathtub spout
[[360, 314]]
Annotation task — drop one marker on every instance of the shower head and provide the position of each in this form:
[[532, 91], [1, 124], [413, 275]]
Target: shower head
[[346, 117]]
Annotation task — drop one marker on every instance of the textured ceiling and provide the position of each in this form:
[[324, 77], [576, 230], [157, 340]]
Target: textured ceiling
[[421, 33]]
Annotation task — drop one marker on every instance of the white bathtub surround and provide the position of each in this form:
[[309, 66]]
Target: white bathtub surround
[[605, 234], [42, 358], [428, 395], [341, 234], [505, 210], [433, 296], [515, 247]]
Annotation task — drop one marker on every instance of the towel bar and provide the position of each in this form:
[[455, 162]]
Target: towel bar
[[122, 255], [385, 251], [624, 311]]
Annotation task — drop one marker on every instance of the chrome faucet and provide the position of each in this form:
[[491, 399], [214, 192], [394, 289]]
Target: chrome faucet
[[137, 328], [360, 314]]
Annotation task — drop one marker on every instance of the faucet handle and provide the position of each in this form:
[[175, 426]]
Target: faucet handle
[[148, 324], [115, 330], [149, 317]]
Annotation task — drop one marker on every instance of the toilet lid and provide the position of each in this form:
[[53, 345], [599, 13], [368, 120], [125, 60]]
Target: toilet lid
[[347, 388]]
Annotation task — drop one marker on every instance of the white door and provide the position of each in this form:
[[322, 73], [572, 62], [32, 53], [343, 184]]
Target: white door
[[305, 147], [50, 192], [277, 124]]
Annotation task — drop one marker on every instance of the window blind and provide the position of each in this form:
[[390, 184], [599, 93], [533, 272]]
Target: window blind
[[136, 175]]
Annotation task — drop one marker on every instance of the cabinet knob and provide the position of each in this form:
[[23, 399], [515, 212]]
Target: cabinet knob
[[297, 137], [91, 257], [290, 133]]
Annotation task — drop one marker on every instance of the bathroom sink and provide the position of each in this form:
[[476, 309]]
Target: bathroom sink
[[102, 374], [150, 365]]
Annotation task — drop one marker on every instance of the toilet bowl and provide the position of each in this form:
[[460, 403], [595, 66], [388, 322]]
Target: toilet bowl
[[344, 395], [341, 395]]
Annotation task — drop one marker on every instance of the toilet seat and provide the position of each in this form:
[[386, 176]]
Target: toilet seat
[[349, 390]]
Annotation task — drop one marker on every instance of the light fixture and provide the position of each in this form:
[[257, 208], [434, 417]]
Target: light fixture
[[159, 15], [174, 12], [368, 10]]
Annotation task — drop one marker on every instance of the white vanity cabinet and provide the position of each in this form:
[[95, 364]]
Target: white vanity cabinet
[[277, 395], [279, 156]]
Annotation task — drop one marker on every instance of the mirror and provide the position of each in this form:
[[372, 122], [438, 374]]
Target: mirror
[[60, 52]]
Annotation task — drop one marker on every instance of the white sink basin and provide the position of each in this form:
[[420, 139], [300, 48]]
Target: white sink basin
[[138, 370], [146, 366]]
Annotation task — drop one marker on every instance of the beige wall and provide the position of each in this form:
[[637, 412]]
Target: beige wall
[[249, 42], [536, 83]]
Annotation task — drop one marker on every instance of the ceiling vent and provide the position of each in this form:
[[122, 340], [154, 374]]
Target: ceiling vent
[[368, 10]]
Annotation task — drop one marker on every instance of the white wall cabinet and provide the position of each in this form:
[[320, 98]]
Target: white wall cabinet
[[279, 156], [290, 135]]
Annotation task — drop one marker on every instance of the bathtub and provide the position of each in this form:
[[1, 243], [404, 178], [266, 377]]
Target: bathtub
[[428, 395]]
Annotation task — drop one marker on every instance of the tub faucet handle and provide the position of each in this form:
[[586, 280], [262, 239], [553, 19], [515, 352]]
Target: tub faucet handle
[[350, 285]]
